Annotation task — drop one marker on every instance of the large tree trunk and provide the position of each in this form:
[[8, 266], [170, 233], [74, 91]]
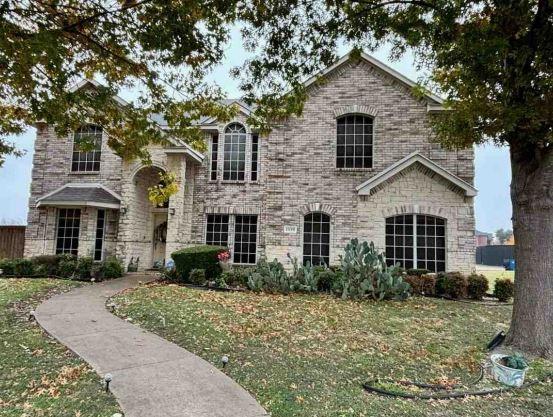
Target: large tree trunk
[[532, 197]]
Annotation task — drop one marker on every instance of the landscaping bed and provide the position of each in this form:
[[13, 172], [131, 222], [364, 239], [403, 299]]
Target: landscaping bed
[[308, 354], [40, 377]]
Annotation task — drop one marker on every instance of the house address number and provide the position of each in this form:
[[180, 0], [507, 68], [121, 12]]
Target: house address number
[[292, 230]]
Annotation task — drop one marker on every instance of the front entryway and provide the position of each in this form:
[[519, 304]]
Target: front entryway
[[159, 237]]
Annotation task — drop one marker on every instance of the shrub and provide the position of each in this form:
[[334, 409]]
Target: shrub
[[67, 265], [46, 264], [112, 268], [197, 277], [451, 284], [24, 267], [417, 272], [197, 257], [477, 286], [236, 277], [84, 268], [269, 277], [327, 279], [504, 289], [7, 266], [421, 284], [365, 274]]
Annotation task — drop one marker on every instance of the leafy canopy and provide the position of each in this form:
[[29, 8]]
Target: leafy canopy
[[492, 60]]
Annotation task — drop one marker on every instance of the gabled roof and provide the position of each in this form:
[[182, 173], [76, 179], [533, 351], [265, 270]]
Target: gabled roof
[[409, 160], [81, 195], [434, 102]]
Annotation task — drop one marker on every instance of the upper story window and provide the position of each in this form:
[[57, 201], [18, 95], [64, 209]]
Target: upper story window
[[234, 165], [87, 149], [354, 141], [214, 157], [255, 157]]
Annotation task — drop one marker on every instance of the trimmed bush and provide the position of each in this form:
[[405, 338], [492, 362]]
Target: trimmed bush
[[197, 277], [46, 264], [197, 257], [326, 279], [421, 284], [112, 268], [84, 268], [477, 286], [24, 267], [236, 277], [504, 289], [417, 272], [7, 266], [451, 284], [67, 265]]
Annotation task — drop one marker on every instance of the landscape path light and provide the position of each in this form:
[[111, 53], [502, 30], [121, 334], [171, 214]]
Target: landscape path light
[[107, 380]]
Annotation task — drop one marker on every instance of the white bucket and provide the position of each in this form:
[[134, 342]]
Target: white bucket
[[506, 375]]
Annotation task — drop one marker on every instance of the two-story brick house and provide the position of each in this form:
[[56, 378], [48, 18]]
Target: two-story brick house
[[359, 162]]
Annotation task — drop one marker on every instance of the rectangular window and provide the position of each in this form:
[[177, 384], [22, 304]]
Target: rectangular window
[[69, 222], [87, 149], [217, 229], [354, 142], [255, 156], [100, 234], [234, 166], [214, 155], [245, 239]]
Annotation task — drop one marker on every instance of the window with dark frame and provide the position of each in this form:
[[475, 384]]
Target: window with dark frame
[[416, 241], [217, 229], [89, 139], [354, 141], [245, 239], [214, 155], [234, 165], [255, 156], [100, 235], [67, 234], [316, 239]]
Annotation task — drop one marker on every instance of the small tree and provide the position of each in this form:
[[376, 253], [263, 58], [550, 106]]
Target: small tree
[[503, 235]]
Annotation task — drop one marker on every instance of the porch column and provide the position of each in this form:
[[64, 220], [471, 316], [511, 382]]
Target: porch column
[[178, 234]]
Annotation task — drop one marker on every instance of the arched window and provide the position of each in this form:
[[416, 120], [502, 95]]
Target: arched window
[[416, 241], [87, 149], [354, 141], [316, 239], [234, 165]]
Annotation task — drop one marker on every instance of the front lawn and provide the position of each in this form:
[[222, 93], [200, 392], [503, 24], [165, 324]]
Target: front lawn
[[39, 377], [495, 274], [307, 355]]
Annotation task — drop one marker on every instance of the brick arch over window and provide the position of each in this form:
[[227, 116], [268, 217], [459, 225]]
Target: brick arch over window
[[322, 207], [416, 240], [355, 108], [354, 141]]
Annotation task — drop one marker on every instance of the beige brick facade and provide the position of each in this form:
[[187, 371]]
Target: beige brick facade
[[297, 175]]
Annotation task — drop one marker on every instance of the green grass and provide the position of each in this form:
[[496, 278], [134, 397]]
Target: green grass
[[307, 355], [39, 377], [494, 275]]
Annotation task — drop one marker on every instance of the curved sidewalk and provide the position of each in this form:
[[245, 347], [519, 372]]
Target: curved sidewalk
[[151, 376]]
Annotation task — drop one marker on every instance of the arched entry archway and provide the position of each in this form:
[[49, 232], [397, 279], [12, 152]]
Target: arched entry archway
[[148, 222]]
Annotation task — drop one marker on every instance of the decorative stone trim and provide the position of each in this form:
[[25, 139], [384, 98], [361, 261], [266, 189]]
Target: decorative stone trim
[[232, 210], [314, 207], [139, 167], [355, 108], [417, 209]]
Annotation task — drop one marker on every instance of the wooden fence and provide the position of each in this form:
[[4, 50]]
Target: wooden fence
[[12, 241]]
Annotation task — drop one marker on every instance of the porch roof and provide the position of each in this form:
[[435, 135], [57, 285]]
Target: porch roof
[[79, 195]]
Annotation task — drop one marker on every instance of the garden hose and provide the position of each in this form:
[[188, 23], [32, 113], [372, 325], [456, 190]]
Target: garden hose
[[372, 388]]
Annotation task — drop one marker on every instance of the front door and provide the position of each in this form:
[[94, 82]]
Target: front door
[[159, 239]]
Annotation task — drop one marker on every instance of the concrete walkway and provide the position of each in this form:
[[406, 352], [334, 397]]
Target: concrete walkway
[[151, 376]]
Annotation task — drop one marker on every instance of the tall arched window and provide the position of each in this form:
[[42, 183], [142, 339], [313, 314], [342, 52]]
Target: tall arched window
[[316, 239], [416, 241], [87, 149], [234, 165], [354, 141]]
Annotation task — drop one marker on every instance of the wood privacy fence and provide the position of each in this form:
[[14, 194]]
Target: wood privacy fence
[[12, 240]]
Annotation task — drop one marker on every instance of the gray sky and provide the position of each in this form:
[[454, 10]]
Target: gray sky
[[493, 172]]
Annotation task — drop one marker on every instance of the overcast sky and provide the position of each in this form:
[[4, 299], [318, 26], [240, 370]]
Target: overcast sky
[[493, 173]]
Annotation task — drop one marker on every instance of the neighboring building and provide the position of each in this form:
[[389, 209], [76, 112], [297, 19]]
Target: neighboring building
[[483, 238], [359, 162]]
